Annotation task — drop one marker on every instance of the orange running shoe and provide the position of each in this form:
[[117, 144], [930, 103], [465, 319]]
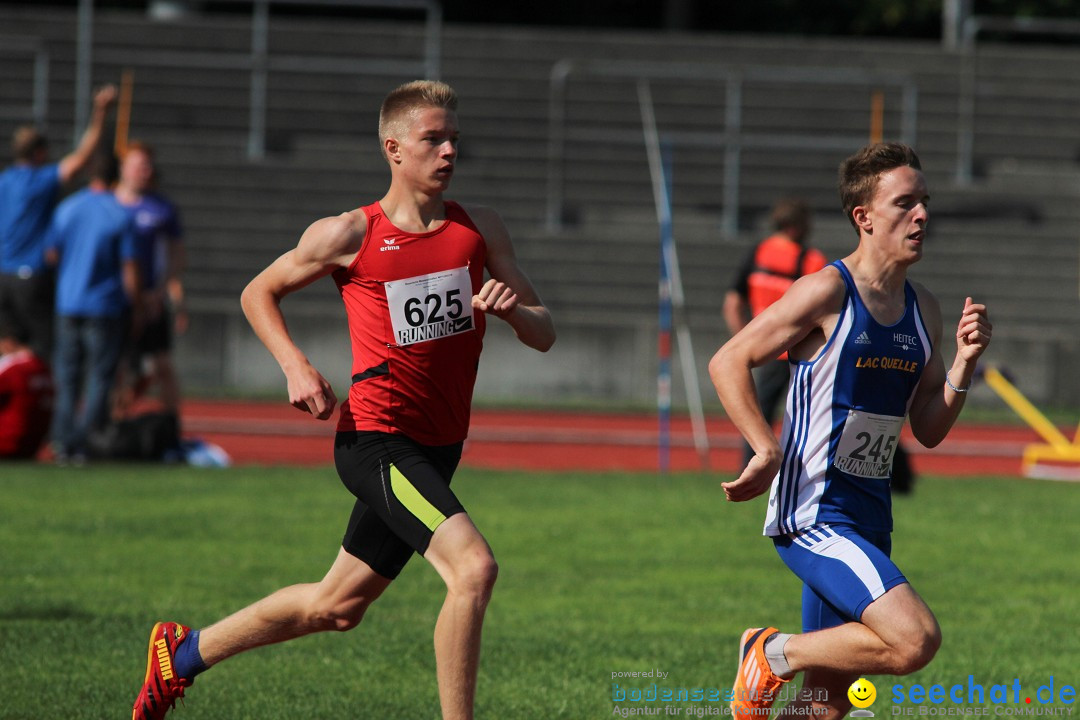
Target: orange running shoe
[[755, 686], [162, 687]]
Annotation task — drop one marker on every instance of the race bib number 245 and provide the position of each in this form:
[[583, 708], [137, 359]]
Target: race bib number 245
[[429, 307], [868, 444]]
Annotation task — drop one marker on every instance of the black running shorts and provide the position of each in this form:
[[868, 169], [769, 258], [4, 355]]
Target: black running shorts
[[402, 491], [156, 336]]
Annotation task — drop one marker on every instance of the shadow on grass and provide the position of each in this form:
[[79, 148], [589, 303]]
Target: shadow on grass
[[48, 613]]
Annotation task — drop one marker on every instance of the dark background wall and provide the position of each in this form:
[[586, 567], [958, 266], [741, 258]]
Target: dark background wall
[[868, 18]]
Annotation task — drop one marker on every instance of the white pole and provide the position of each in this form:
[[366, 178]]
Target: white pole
[[662, 200], [83, 66]]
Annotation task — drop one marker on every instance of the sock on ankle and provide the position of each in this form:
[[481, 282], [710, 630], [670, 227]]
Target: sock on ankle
[[187, 662], [774, 653]]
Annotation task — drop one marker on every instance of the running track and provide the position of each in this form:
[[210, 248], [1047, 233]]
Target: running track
[[263, 433]]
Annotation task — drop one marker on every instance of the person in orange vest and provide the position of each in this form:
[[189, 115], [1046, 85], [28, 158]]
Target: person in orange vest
[[768, 271]]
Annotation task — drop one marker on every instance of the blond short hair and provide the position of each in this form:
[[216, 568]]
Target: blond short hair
[[401, 105]]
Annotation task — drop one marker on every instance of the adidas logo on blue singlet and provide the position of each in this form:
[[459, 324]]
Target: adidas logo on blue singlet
[[863, 339]]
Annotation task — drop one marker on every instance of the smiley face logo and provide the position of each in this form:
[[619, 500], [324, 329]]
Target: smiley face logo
[[862, 693]]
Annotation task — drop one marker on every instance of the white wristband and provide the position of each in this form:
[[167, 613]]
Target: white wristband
[[953, 387]]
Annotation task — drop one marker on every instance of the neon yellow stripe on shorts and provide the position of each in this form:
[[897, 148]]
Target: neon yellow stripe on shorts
[[413, 501]]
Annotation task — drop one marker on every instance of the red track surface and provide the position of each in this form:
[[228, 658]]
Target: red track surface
[[275, 433]]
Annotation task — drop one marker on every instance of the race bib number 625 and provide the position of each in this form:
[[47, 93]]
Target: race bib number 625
[[428, 307], [868, 444]]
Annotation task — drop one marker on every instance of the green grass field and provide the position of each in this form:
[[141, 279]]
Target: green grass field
[[598, 574]]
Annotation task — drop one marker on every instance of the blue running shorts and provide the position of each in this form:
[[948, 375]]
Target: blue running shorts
[[843, 570]]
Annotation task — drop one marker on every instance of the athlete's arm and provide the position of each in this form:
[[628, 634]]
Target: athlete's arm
[[73, 163], [936, 406], [325, 246], [509, 294], [805, 308]]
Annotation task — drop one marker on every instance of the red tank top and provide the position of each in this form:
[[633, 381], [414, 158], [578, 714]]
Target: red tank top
[[416, 340], [26, 395]]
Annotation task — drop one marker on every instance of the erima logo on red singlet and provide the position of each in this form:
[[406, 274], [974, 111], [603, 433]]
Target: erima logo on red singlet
[[389, 245]]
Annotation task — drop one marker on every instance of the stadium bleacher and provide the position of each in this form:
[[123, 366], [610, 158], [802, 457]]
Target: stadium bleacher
[[1011, 237]]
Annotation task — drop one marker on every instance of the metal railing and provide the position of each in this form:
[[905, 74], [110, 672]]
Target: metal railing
[[261, 62], [973, 26], [732, 138], [39, 102]]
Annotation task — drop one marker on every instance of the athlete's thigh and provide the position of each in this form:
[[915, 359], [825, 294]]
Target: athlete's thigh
[[457, 545], [843, 570], [899, 614], [403, 496]]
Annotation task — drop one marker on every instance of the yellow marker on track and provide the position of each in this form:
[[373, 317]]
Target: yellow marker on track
[[1058, 450]]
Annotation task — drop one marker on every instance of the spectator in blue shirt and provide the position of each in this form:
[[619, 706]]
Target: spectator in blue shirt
[[159, 240], [92, 240], [29, 190]]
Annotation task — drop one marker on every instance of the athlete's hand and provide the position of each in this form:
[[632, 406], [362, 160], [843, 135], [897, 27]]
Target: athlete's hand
[[496, 298], [755, 479], [973, 331], [311, 392]]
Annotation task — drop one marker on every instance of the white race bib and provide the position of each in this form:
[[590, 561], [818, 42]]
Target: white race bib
[[428, 307], [868, 444]]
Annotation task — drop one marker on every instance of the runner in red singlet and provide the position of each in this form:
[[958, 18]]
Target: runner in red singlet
[[411, 272], [26, 394]]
